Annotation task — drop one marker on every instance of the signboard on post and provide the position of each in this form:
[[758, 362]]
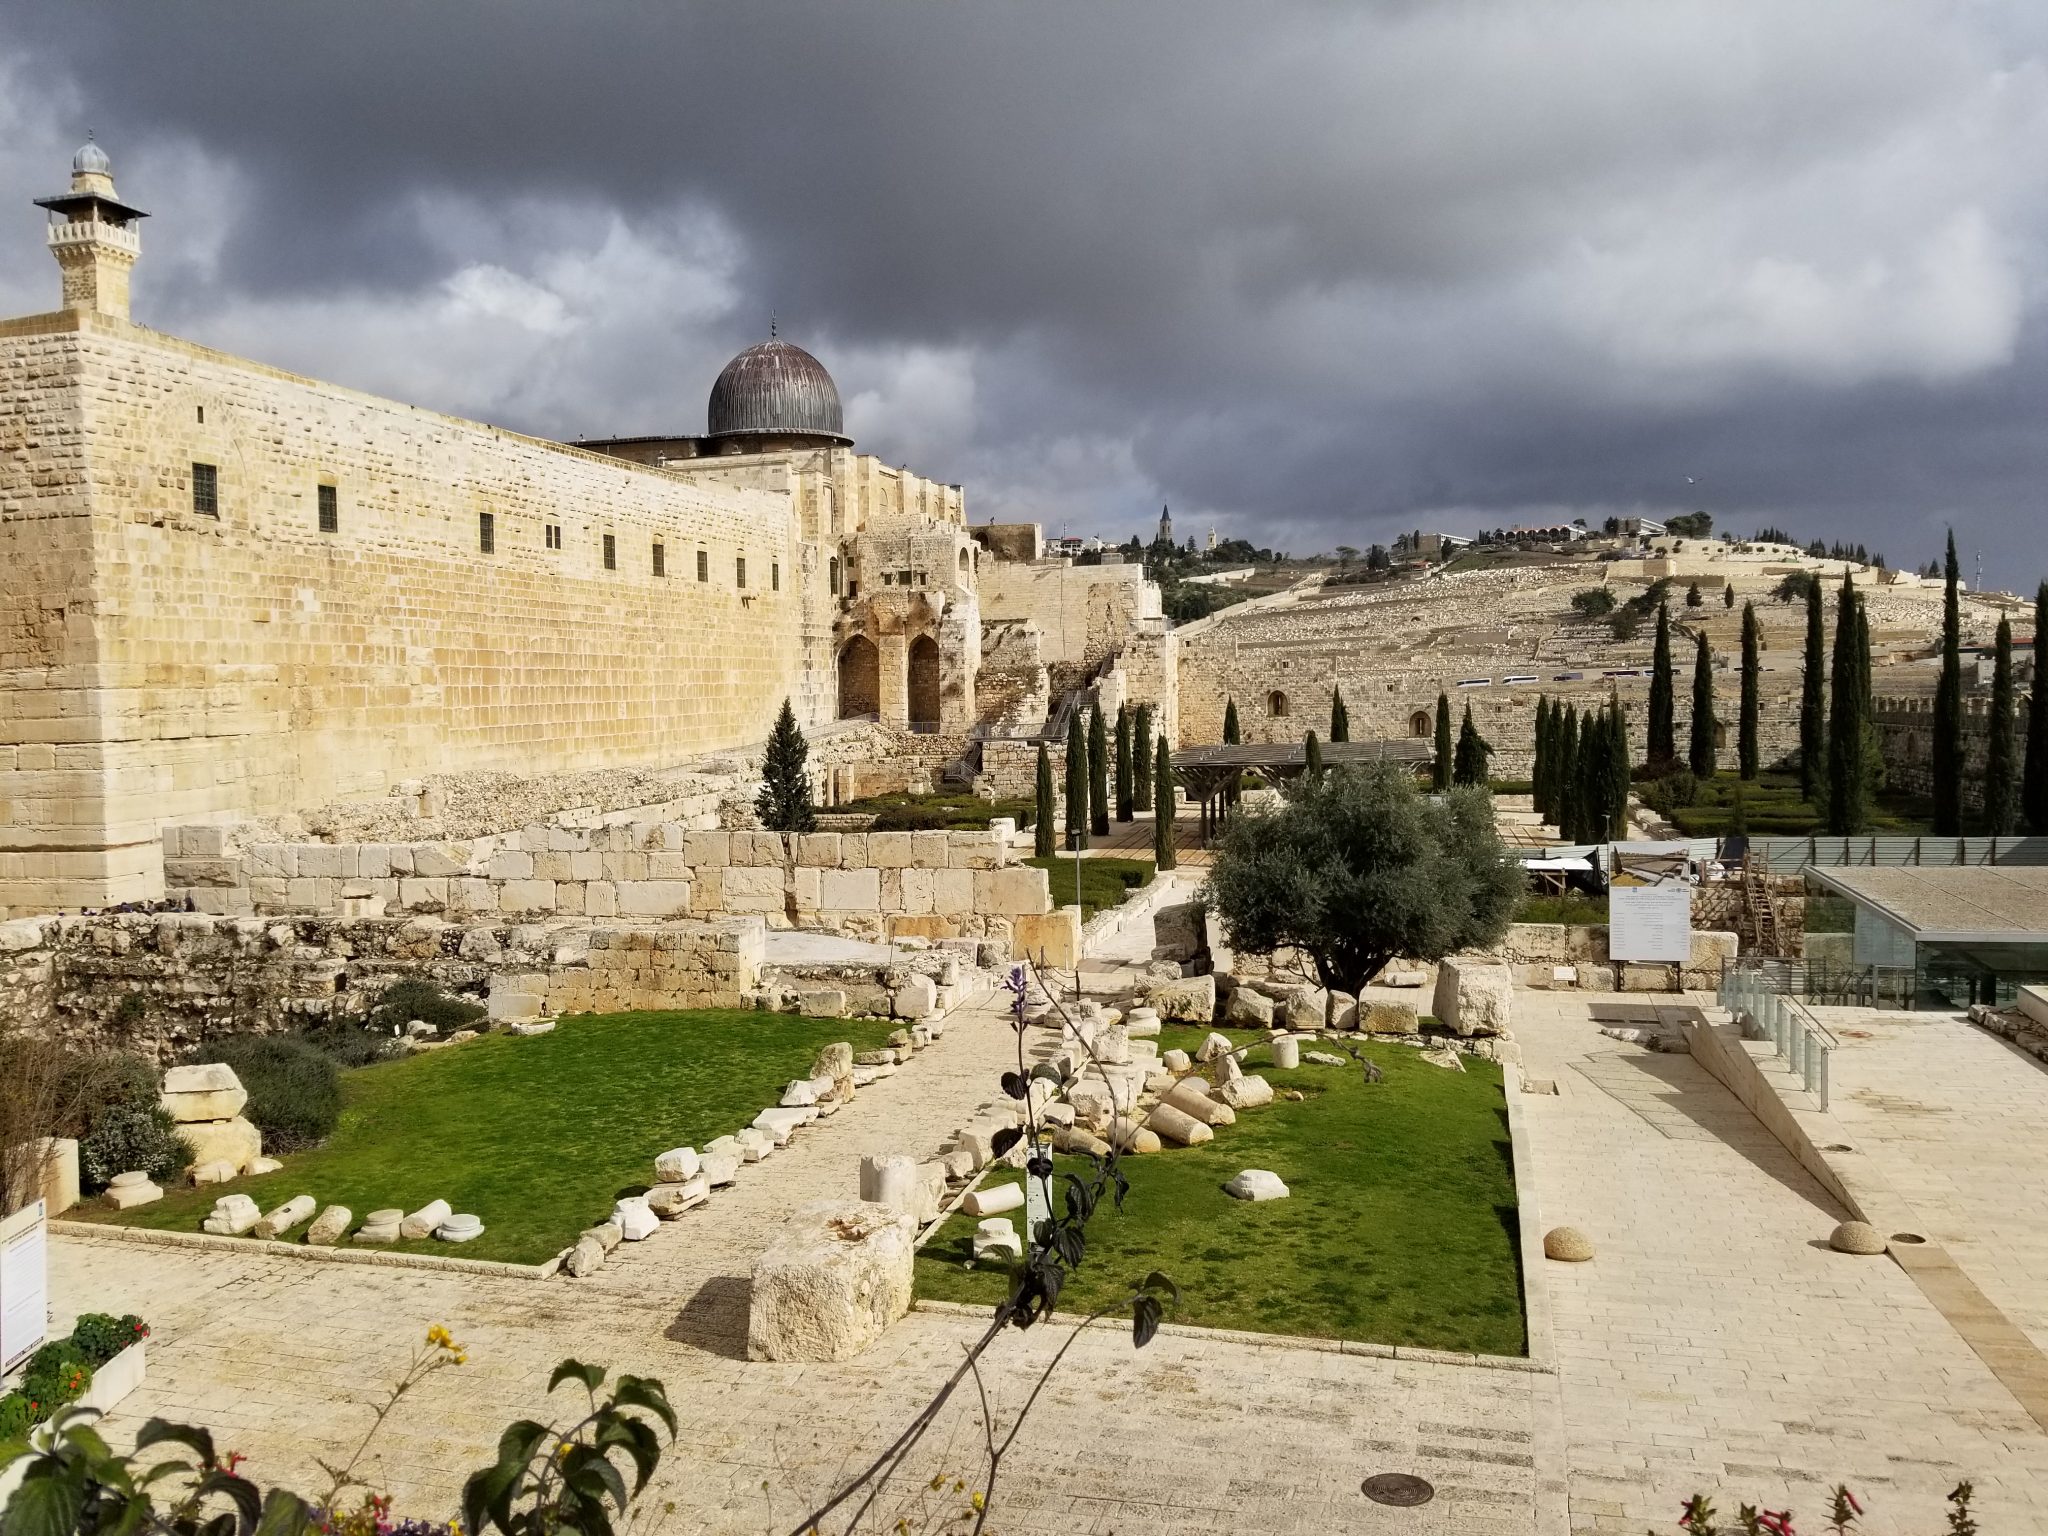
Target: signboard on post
[[1649, 924], [24, 1283]]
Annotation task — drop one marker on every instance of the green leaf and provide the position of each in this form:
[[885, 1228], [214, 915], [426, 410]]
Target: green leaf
[[284, 1514], [636, 1438], [486, 1498], [592, 1376], [646, 1392], [162, 1431], [13, 1450], [590, 1472], [238, 1491], [522, 1437], [1145, 1314], [1158, 1281], [219, 1525], [47, 1503], [1045, 1071]]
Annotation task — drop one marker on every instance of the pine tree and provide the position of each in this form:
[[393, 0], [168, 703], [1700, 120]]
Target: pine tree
[[1312, 759], [1539, 778], [1747, 750], [1700, 743], [1340, 717], [1662, 745], [1044, 842], [1126, 808], [1948, 706], [2001, 787], [2034, 783], [1440, 771], [784, 804], [1098, 773], [1141, 759], [1077, 784], [1848, 781], [1469, 764], [1813, 705], [1162, 820], [1231, 734]]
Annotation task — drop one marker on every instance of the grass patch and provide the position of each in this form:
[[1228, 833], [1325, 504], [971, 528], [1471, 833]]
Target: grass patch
[[536, 1136], [1772, 807], [1400, 1227], [1574, 908], [1104, 882], [934, 813]]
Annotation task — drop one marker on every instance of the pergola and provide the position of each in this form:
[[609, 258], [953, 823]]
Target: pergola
[[1208, 773]]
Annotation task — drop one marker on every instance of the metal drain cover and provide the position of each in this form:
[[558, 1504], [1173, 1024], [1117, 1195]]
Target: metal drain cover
[[1398, 1488]]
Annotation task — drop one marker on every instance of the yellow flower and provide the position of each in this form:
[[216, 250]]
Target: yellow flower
[[438, 1336], [978, 1502]]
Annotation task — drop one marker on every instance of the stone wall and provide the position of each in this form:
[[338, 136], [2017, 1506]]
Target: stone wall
[[1536, 949], [1906, 728], [1084, 612]]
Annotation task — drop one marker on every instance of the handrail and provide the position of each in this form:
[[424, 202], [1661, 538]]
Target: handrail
[[1795, 1034]]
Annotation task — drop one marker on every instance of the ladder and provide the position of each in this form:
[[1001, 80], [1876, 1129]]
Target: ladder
[[1759, 914]]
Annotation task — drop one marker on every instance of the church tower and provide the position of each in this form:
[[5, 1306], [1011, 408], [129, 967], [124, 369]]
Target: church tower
[[94, 236], [1165, 527]]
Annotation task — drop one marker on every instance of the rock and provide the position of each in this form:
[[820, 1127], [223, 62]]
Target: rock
[[800, 1093], [931, 1192], [1306, 1008], [1286, 1053], [586, 1258], [891, 1179], [285, 1217], [1176, 1061], [1112, 1046], [1227, 1067], [835, 1062], [1857, 1237], [754, 1143], [1212, 1046], [1091, 1102], [222, 1141], [827, 1287], [1446, 1057], [531, 1027], [421, 1223], [1079, 1143], [780, 1124], [996, 1238], [1142, 1024], [1250, 1010], [721, 1168], [329, 1227], [1322, 1058], [1133, 1137], [607, 1234], [232, 1216], [993, 1199], [822, 1003], [1191, 1097], [419, 1029], [1473, 996], [1567, 1245], [1402, 977], [219, 1171], [1246, 1093], [677, 1164], [636, 1221], [380, 1226], [1343, 1011], [261, 1165], [670, 1200], [1257, 1184], [1389, 1018], [901, 1041], [917, 998], [1170, 1124], [209, 1091], [1188, 1001]]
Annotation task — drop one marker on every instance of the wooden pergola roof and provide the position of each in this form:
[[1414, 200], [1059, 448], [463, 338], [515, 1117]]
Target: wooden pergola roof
[[1209, 773]]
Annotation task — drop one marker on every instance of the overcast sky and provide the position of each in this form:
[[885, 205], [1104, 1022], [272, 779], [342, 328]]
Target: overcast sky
[[1312, 273]]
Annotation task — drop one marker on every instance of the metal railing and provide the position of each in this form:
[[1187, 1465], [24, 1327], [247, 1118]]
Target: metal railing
[[1795, 1034]]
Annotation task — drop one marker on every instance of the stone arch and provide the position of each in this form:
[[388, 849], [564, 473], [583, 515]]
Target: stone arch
[[833, 569], [860, 678], [1276, 704], [1421, 724], [924, 684], [964, 572]]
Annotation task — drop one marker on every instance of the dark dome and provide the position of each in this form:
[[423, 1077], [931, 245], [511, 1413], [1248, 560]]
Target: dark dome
[[776, 387]]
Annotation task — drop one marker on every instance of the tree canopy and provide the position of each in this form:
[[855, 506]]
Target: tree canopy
[[784, 804]]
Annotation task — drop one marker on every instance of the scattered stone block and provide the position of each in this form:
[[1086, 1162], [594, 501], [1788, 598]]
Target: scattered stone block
[[993, 1199], [780, 1124], [754, 1144], [1405, 976], [232, 1216], [1227, 1067], [222, 1141], [1568, 1245], [1177, 1126], [1389, 1018], [915, 999], [607, 1234], [585, 1258], [285, 1217], [219, 1171], [421, 1223], [1246, 1093], [1176, 1061], [822, 1003], [831, 1283], [996, 1238], [635, 1220], [1132, 1137], [891, 1179], [1857, 1237], [1213, 1046], [1473, 996], [721, 1168], [1250, 1010], [261, 1165], [1191, 1097], [1257, 1184], [676, 1164], [530, 1028], [380, 1226], [670, 1200], [329, 1227], [1286, 1053], [1191, 1000], [1306, 1009], [208, 1091], [462, 1227], [1322, 1058]]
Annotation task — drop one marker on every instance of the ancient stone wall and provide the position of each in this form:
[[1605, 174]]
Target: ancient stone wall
[[1906, 729], [1084, 612]]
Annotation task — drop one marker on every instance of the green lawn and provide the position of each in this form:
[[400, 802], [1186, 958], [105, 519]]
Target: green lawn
[[931, 813], [1400, 1227], [537, 1136], [1104, 882], [1574, 908], [1771, 807]]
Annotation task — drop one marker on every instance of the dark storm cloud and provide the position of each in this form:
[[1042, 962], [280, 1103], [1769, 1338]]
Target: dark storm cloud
[[1314, 272]]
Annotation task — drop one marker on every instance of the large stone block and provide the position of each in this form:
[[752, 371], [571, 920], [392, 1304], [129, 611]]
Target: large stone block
[[1473, 996], [751, 887], [654, 898], [851, 890], [1191, 1000], [833, 1281], [1049, 938], [888, 850], [1015, 892], [953, 891], [209, 1091], [235, 1141]]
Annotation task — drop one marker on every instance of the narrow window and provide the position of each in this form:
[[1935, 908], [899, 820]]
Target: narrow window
[[202, 415], [611, 553], [739, 571], [487, 532], [703, 565], [206, 490], [834, 575], [553, 536], [660, 560], [330, 510], [775, 576]]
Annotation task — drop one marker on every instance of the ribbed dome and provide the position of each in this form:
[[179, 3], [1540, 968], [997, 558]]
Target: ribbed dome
[[91, 160], [776, 387]]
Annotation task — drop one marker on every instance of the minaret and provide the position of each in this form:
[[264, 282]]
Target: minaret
[[94, 237]]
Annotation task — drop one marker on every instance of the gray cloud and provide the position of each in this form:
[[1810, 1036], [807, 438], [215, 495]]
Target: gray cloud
[[1314, 277]]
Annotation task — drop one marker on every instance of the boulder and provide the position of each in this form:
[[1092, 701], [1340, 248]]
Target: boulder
[[1251, 1010], [586, 1258], [1474, 996], [1176, 1061], [636, 1219], [1212, 1046], [1567, 1245], [780, 1124], [1388, 1018], [993, 1199], [1176, 1126], [822, 1003], [285, 1217], [1227, 1067], [1077, 1142], [753, 1143], [232, 1216], [262, 1165], [891, 1179], [209, 1091], [1322, 1058], [826, 1288], [1256, 1184], [670, 1200], [421, 1223], [462, 1227], [1191, 1000], [222, 1141], [1306, 1008], [996, 1238], [1246, 1093], [800, 1093], [329, 1227], [1286, 1053], [917, 998], [835, 1061], [1343, 1011], [1857, 1237], [219, 1171], [606, 1234], [677, 1164], [721, 1168]]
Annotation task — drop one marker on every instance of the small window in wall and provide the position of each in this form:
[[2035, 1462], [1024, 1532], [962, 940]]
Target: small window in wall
[[660, 559], [611, 553], [330, 509], [775, 576], [201, 418], [206, 490], [739, 571], [1276, 704], [552, 535], [487, 532], [703, 565], [832, 572]]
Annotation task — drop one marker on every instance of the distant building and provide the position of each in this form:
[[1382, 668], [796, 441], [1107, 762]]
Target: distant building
[[1165, 526], [1429, 546]]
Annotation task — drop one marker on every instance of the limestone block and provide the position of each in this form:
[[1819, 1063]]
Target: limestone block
[[851, 890], [1176, 1126], [1213, 1046], [526, 895], [1189, 1097], [676, 1164], [1128, 1134], [421, 1223], [662, 866], [1256, 1184], [891, 1179], [754, 1143], [230, 1141], [1191, 1000], [1474, 997], [285, 1217], [915, 999], [661, 898], [517, 996], [585, 1258], [1049, 938], [721, 1168], [1176, 1061], [1250, 1092], [671, 1198], [752, 888], [131, 1189], [220, 1171], [506, 865], [707, 850], [636, 1220], [232, 1216], [1079, 1142], [831, 1283], [1389, 1018], [437, 860], [997, 1239], [206, 1092], [1305, 1008], [952, 891], [329, 1227], [888, 850], [1286, 1053], [780, 1123], [818, 850], [993, 1199], [822, 1003], [1251, 1010], [380, 1227], [1020, 891], [333, 861]]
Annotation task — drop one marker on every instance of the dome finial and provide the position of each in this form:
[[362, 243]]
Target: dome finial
[[771, 325], [90, 160]]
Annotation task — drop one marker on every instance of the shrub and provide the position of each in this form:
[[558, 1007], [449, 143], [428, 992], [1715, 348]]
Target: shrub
[[119, 1124], [1594, 602], [55, 1375], [15, 1417], [99, 1336], [294, 1086], [348, 1042], [414, 998]]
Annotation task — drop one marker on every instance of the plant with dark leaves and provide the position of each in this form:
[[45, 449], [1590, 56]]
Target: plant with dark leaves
[[548, 1479]]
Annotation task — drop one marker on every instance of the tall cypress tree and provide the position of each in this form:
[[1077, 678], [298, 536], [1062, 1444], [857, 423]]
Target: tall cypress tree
[[1126, 808], [1568, 797], [1440, 772], [1340, 717], [1312, 759], [1848, 778], [1948, 706], [1077, 784], [1813, 704], [1141, 759], [2001, 756], [1539, 783], [1617, 728], [1098, 772], [1469, 764], [1748, 750], [1044, 841], [1662, 743], [1699, 753], [1162, 820], [2034, 782], [784, 804], [1593, 761], [1232, 735]]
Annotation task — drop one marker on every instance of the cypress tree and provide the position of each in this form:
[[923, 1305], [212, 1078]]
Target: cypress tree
[[1126, 807], [1043, 841], [2001, 787], [784, 804], [1312, 758], [1813, 706], [1469, 766], [1728, 595], [1440, 771], [1568, 777], [2034, 783], [1592, 776], [1077, 784], [1747, 750], [1098, 772], [1340, 717], [1662, 745], [1539, 782], [1948, 707], [1141, 759], [1848, 780], [1162, 821], [1231, 734], [1618, 756], [1700, 743]]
